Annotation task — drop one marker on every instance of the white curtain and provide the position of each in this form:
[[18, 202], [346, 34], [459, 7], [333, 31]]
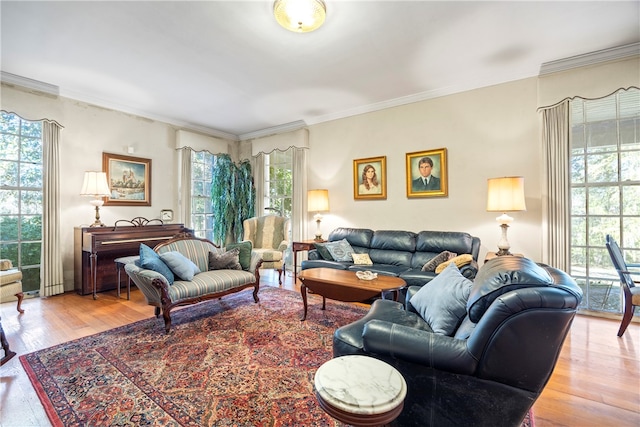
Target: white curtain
[[257, 168], [51, 276], [556, 197], [185, 186]]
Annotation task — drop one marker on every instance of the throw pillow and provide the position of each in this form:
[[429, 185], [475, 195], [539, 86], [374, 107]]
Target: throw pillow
[[437, 260], [150, 260], [459, 261], [245, 248], [323, 251], [229, 260], [442, 302], [340, 250], [181, 266], [361, 259]]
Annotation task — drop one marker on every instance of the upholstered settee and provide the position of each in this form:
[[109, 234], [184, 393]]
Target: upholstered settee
[[399, 253], [472, 353], [187, 270], [10, 283]]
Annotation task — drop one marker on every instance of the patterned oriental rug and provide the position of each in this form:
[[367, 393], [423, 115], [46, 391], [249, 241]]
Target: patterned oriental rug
[[227, 362]]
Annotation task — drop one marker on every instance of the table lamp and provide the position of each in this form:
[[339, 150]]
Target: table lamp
[[505, 195], [95, 185], [318, 201]]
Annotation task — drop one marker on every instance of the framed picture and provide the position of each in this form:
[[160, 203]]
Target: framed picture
[[129, 180], [427, 173], [370, 178]]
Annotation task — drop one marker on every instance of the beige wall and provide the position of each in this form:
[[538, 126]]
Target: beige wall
[[488, 133]]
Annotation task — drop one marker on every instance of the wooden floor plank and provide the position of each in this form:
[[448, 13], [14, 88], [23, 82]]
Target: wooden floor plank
[[596, 381]]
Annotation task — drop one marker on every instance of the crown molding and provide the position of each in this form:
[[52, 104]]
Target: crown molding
[[35, 85], [597, 57], [274, 130]]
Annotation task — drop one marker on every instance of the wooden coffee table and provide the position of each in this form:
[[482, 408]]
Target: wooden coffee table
[[344, 285]]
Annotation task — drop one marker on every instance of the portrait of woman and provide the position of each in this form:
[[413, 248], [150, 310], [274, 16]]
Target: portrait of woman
[[369, 183], [369, 178]]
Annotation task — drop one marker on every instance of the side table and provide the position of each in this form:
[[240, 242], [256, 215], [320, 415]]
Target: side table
[[360, 390], [303, 245]]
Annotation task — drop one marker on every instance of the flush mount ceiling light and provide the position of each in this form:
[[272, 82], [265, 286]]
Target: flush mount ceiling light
[[300, 16]]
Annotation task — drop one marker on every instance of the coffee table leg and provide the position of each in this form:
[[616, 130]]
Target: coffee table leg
[[324, 303], [303, 291]]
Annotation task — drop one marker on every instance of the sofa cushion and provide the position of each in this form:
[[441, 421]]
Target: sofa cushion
[[323, 251], [180, 265], [437, 260], [150, 260], [442, 302], [245, 248], [361, 259], [340, 250], [229, 260], [357, 237], [501, 275], [459, 261]]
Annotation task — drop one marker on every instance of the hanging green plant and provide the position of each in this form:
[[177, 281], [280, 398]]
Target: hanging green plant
[[233, 198]]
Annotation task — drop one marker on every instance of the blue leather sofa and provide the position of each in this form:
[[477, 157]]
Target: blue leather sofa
[[400, 253]]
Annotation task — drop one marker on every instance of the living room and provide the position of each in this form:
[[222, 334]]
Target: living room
[[488, 132]]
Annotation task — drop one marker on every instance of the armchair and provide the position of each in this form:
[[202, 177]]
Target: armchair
[[484, 368], [270, 237], [630, 290]]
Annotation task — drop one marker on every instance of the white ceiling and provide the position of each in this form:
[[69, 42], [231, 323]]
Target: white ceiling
[[227, 68]]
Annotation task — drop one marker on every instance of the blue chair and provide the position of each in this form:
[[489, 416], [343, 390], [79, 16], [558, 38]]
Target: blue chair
[[629, 288]]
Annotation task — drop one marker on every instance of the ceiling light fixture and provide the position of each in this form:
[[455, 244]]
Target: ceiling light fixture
[[300, 16]]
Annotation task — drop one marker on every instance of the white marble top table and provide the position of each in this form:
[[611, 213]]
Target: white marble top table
[[358, 388]]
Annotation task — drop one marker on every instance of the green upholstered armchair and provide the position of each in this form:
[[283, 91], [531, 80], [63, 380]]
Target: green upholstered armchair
[[270, 236]]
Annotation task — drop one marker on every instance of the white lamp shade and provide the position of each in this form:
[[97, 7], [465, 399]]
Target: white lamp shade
[[95, 184], [506, 194], [318, 200], [300, 16]]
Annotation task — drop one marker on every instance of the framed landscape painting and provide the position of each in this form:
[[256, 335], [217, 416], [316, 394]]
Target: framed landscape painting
[[427, 173], [129, 180], [370, 178]]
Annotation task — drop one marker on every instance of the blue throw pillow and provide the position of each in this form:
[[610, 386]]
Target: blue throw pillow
[[442, 302], [150, 260], [181, 266], [340, 250]]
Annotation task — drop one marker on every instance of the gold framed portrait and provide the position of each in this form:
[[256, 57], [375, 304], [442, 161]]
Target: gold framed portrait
[[370, 178], [427, 173]]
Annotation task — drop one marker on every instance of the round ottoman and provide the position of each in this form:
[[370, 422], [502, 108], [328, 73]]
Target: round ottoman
[[360, 390]]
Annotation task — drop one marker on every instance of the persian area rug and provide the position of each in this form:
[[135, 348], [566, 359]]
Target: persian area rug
[[227, 362]]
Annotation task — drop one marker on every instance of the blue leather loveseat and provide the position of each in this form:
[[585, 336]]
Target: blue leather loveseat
[[399, 253]]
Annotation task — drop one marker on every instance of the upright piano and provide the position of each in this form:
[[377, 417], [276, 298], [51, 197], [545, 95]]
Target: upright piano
[[96, 248]]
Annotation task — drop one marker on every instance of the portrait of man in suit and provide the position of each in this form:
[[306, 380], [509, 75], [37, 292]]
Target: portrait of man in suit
[[426, 181]]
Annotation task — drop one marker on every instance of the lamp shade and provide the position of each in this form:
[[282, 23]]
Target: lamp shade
[[95, 184], [300, 16], [318, 200], [506, 194]]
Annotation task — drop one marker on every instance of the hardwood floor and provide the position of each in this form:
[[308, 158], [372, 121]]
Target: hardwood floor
[[596, 381]]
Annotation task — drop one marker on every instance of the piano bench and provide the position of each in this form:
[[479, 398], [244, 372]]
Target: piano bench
[[120, 263]]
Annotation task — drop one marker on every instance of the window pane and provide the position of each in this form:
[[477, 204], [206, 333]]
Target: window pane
[[9, 251], [630, 162], [9, 202], [578, 169], [31, 175], [31, 150], [599, 227], [579, 231], [631, 230], [9, 147], [9, 227], [577, 139], [31, 202], [31, 227], [9, 173], [30, 253], [602, 136], [33, 129], [602, 167], [629, 103], [30, 279], [578, 201], [9, 123], [600, 109], [631, 200], [604, 201], [630, 133]]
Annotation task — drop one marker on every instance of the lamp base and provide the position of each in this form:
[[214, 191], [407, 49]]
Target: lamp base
[[503, 252]]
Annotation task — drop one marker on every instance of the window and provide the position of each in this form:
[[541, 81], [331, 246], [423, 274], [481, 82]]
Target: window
[[202, 164], [605, 193], [278, 188], [21, 196]]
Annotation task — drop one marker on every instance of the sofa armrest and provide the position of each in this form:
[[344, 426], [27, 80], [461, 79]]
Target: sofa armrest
[[150, 282], [313, 254], [283, 245], [418, 346], [470, 270], [256, 262]]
